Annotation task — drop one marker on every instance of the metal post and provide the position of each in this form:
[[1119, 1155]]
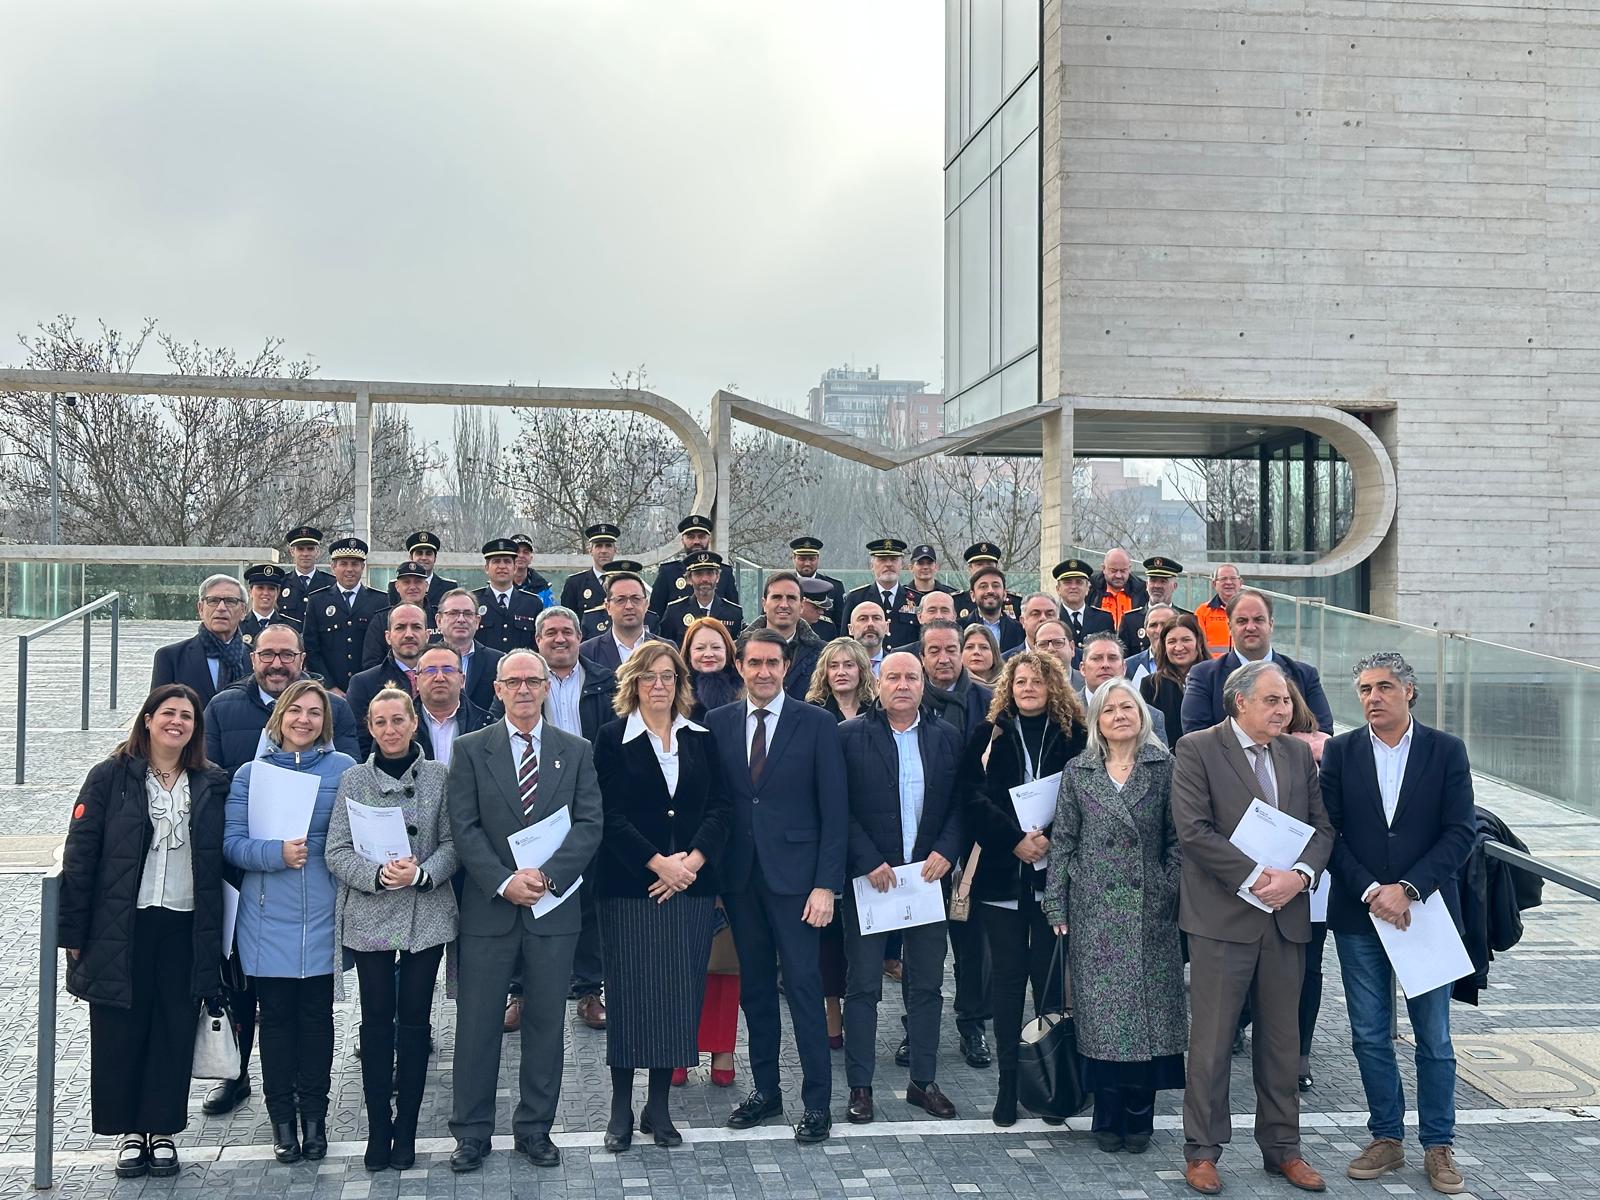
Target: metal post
[[22, 707], [1298, 653], [44, 1120], [1438, 679], [83, 699], [55, 469], [116, 622]]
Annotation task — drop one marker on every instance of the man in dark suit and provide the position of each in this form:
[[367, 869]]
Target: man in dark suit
[[887, 590], [694, 531], [504, 778], [1399, 796], [216, 655], [337, 617], [704, 570], [1072, 600], [584, 589], [807, 554], [443, 711], [900, 774], [411, 586], [780, 612], [305, 546], [1250, 626], [1161, 581], [265, 584], [458, 628], [505, 612], [989, 599], [405, 634], [625, 630], [596, 619], [781, 765], [423, 549], [1239, 950]]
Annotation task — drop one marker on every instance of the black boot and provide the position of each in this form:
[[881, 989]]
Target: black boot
[[377, 1076], [285, 1142], [314, 1138], [619, 1130], [656, 1119], [1005, 1100], [411, 1074]]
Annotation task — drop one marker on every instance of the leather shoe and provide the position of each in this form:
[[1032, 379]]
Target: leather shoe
[[1201, 1175], [541, 1151], [469, 1154], [813, 1127], [513, 1020], [930, 1100], [1136, 1143], [314, 1140], [1109, 1142], [894, 969], [859, 1111], [976, 1050], [226, 1096], [902, 1053], [1300, 1173], [664, 1132], [755, 1109], [592, 1011], [285, 1142], [1305, 1081]]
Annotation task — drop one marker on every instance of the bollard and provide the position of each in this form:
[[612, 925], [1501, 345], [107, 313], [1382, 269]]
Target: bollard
[[44, 1120], [116, 624], [83, 697]]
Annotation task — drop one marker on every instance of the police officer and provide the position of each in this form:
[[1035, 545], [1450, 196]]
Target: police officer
[[423, 548], [305, 545], [264, 582], [1072, 595], [887, 589], [584, 589], [410, 586], [337, 616], [977, 556], [694, 531], [1161, 581], [523, 577], [506, 611], [816, 607], [703, 571], [807, 552], [925, 572]]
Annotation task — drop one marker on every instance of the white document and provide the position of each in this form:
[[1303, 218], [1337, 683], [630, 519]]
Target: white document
[[1319, 898], [533, 847], [1271, 838], [1429, 953], [911, 901], [378, 834], [281, 802], [230, 916], [1035, 804]]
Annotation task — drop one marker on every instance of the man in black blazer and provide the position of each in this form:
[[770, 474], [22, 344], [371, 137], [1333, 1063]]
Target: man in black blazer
[[703, 569], [423, 548], [337, 617], [887, 590], [582, 589], [1072, 601], [1399, 797], [989, 600], [694, 531], [305, 577], [1160, 582], [807, 554], [458, 622], [410, 586], [898, 766], [405, 634], [625, 630], [443, 711], [215, 656], [782, 767], [1250, 627]]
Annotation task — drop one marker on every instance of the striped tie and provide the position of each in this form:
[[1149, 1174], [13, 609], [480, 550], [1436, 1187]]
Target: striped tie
[[528, 778]]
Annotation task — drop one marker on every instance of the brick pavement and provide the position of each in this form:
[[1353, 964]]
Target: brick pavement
[[1543, 991]]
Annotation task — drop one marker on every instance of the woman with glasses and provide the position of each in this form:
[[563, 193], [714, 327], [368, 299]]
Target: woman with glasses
[[405, 909], [666, 822]]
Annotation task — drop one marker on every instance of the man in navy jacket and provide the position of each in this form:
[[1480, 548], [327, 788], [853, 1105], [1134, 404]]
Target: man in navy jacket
[[901, 774], [216, 655], [782, 766], [1250, 627], [1399, 797]]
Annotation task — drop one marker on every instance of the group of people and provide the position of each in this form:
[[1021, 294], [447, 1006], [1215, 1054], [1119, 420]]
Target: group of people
[[663, 828]]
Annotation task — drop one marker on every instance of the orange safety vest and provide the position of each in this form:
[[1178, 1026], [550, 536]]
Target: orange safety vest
[[1213, 618], [1118, 604]]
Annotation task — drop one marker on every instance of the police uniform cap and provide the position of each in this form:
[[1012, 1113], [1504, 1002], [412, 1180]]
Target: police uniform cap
[[496, 547], [264, 573], [422, 540], [621, 566], [411, 568], [695, 523], [522, 541], [818, 591], [918, 553], [886, 548], [1162, 568], [603, 531], [980, 552], [1069, 568], [350, 547], [701, 559], [302, 534], [806, 545]]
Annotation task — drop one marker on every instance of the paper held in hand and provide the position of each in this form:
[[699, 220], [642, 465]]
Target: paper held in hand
[[532, 847], [1429, 952], [911, 901], [378, 834], [1035, 803], [281, 802], [1271, 838]]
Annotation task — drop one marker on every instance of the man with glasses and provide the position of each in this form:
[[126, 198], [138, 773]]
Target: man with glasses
[[337, 617], [458, 628], [216, 655], [405, 634], [505, 612], [625, 630], [1036, 609], [1249, 618], [443, 713], [505, 778]]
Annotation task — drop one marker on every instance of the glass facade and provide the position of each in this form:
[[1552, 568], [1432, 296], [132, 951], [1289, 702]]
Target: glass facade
[[992, 208]]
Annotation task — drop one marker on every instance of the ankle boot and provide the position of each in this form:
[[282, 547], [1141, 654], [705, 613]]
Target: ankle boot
[[1005, 1100], [411, 1075], [285, 1142], [377, 1074], [314, 1138]]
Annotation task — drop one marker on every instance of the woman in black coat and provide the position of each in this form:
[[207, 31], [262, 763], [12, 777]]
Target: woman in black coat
[[141, 922], [1181, 645], [666, 822], [714, 680], [1035, 728]]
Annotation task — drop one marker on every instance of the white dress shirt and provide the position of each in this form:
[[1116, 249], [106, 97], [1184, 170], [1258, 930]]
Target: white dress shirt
[[625, 651], [774, 710], [1247, 744], [442, 733], [168, 877], [668, 759], [1390, 762]]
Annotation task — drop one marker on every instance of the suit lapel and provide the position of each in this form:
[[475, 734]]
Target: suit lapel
[[780, 739], [1237, 759], [1365, 766], [498, 748], [1417, 764], [554, 763]]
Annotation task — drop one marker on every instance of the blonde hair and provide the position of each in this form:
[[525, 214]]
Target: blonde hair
[[389, 692], [818, 692], [290, 695], [626, 701]]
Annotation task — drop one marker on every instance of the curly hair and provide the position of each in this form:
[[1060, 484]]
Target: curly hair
[[1061, 702]]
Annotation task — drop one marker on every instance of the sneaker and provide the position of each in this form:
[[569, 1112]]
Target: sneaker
[[1440, 1165], [1381, 1156]]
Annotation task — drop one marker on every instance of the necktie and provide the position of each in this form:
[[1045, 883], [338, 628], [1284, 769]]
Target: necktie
[[886, 603], [411, 679], [758, 746], [350, 601], [1077, 626], [1268, 792], [527, 777], [505, 598]]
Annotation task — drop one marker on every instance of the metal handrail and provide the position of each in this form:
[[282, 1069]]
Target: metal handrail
[[1581, 884], [112, 600]]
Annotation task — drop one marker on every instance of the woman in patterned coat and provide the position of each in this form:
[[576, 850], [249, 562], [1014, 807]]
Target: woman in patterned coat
[[1113, 881]]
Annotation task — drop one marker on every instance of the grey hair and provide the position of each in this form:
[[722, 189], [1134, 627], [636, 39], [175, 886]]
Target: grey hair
[[1045, 596], [219, 578], [1096, 748], [1242, 682], [1104, 635], [555, 612], [1394, 663], [500, 667]]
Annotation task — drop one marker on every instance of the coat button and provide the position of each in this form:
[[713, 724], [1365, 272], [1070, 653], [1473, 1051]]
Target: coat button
[[670, 813]]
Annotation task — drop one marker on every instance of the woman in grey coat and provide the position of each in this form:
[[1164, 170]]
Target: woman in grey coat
[[406, 908], [1113, 881]]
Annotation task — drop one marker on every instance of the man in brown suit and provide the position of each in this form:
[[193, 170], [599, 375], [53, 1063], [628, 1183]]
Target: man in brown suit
[[1237, 950]]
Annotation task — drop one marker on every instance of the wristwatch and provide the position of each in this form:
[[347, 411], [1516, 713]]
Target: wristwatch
[[1411, 892], [1306, 877]]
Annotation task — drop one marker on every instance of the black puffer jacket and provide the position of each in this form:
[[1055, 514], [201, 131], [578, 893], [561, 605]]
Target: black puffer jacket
[[101, 869]]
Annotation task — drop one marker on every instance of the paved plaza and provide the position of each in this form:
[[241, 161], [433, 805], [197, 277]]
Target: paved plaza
[[1529, 1095]]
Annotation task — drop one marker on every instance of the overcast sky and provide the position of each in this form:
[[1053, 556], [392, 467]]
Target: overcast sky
[[545, 192]]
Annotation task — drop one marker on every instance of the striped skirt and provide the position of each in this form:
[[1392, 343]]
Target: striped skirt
[[655, 965]]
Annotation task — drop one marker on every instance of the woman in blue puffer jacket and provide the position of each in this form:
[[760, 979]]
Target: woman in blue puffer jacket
[[285, 928]]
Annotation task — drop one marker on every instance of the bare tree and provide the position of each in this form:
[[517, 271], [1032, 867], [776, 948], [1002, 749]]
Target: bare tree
[[953, 502], [400, 465], [1225, 493], [479, 504], [767, 478]]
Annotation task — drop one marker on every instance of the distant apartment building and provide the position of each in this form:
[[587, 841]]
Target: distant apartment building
[[861, 402]]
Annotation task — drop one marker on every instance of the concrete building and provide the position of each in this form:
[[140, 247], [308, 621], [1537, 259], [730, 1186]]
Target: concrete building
[[915, 418], [1356, 242], [860, 402]]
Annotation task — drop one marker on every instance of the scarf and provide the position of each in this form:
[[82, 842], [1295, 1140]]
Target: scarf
[[230, 656]]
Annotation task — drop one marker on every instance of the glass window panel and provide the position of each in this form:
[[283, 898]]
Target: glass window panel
[[1020, 35], [994, 274], [952, 298], [1019, 251], [1019, 384], [1020, 116], [973, 286], [985, 61], [977, 161], [952, 77]]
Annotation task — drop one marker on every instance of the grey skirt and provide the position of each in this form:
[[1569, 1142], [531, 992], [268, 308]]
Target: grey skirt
[[655, 971]]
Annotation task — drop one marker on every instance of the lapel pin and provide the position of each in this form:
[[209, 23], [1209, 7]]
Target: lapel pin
[[558, 764]]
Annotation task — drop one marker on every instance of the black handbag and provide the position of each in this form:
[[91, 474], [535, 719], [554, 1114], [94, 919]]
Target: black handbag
[[1049, 1071]]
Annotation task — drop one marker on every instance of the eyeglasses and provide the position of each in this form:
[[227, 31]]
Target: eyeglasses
[[458, 614], [222, 602], [1051, 643], [624, 599], [278, 656], [445, 671], [664, 678], [517, 683]]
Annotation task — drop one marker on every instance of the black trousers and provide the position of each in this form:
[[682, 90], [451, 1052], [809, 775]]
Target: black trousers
[[922, 956], [406, 992], [1124, 1110], [139, 1057], [297, 1045], [1020, 946], [588, 962]]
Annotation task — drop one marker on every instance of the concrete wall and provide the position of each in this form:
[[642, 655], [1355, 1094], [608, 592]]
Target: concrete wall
[[1355, 200]]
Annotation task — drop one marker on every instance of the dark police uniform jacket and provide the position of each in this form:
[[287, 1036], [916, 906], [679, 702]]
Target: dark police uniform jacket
[[903, 626], [292, 595], [582, 591], [438, 585], [250, 628], [670, 584], [509, 628], [336, 635], [685, 609]]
